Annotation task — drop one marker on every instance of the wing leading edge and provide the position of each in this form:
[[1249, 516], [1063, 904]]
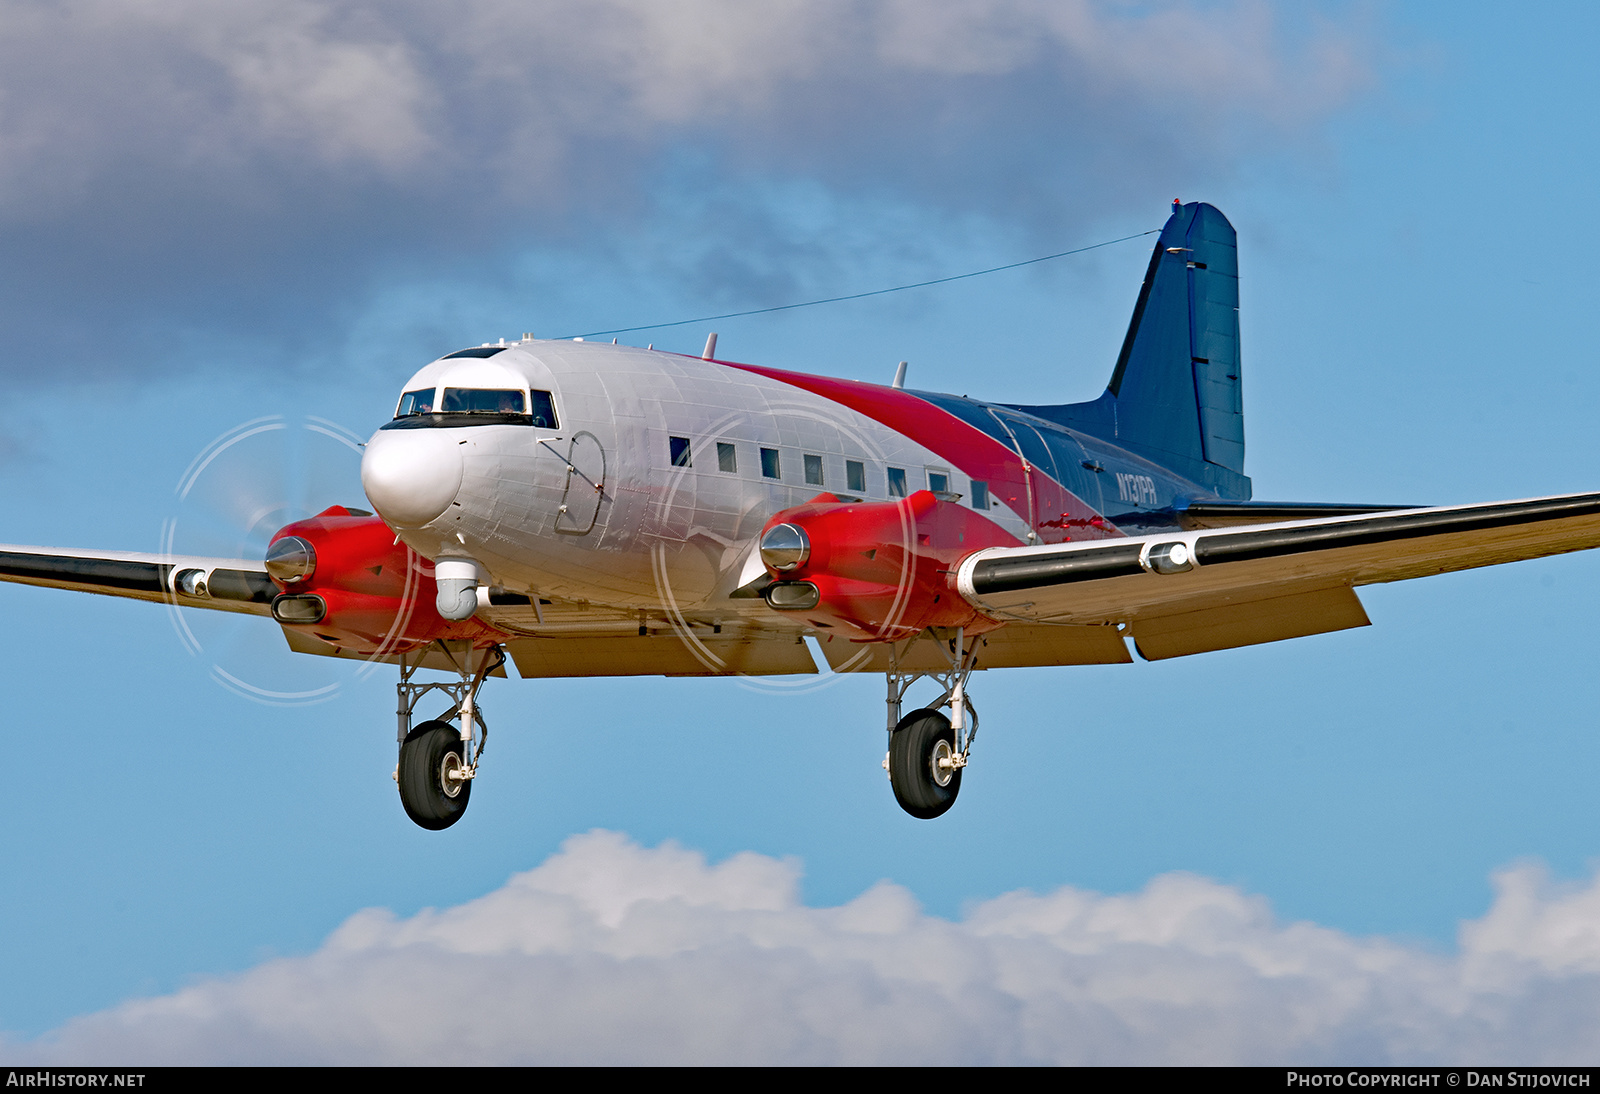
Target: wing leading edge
[[226, 584], [1207, 590]]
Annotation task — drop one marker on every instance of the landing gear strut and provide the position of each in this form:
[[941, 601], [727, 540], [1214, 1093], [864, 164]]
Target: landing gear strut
[[927, 750], [438, 761]]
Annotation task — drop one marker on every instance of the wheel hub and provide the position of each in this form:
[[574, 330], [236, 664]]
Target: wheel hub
[[451, 775], [942, 766]]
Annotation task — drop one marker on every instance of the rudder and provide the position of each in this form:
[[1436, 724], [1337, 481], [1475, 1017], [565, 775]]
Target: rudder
[[1174, 395]]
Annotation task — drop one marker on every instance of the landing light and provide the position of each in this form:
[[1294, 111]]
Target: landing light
[[191, 583], [1169, 558]]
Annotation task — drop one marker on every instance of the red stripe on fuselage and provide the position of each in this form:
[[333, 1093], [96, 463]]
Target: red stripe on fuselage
[[1058, 514]]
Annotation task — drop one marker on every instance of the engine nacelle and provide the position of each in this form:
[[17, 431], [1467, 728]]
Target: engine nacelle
[[349, 582], [881, 571]]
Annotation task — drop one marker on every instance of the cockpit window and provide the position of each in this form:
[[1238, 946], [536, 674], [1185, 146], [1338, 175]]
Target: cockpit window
[[473, 400], [416, 402], [475, 406], [475, 351], [543, 410]]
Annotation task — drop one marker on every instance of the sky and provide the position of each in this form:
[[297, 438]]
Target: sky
[[241, 229]]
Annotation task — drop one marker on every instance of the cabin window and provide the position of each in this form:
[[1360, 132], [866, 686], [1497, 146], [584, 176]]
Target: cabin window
[[897, 482], [727, 458], [938, 482], [855, 476], [813, 470], [980, 494], [769, 464], [679, 447]]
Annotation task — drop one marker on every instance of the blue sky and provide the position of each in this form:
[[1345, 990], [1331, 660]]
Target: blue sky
[[209, 218]]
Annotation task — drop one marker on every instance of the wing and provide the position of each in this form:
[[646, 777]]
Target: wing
[[1207, 590], [225, 584]]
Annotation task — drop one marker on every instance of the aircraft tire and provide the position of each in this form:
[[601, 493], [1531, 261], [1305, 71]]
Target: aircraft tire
[[424, 755], [912, 751]]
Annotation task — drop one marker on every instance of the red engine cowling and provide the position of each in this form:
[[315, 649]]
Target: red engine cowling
[[881, 571], [348, 581]]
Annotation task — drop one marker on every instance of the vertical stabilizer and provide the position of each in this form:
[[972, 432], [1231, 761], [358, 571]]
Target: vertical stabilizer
[[1174, 396]]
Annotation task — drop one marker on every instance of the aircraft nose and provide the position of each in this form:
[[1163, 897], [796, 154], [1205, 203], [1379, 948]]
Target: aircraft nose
[[411, 475]]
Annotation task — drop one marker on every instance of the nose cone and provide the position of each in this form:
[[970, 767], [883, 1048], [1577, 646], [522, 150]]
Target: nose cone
[[411, 475]]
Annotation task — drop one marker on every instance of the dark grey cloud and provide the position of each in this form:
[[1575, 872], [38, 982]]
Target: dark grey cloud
[[613, 953], [178, 170]]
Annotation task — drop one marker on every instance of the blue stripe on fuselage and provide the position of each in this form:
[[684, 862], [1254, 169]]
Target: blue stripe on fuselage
[[1131, 491]]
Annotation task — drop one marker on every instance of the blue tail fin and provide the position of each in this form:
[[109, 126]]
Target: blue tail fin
[[1174, 396]]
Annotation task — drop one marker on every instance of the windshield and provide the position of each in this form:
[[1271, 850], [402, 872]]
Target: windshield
[[471, 400], [476, 406]]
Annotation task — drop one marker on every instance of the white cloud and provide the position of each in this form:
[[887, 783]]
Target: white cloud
[[548, 106], [610, 952], [187, 170], [394, 85]]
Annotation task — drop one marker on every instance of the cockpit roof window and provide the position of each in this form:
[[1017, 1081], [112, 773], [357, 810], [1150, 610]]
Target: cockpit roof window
[[475, 351]]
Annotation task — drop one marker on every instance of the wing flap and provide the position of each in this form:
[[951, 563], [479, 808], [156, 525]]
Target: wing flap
[[1019, 645], [662, 654], [1098, 583], [431, 658], [1248, 623]]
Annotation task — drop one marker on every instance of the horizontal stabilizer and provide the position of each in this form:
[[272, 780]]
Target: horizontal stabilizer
[[1233, 514]]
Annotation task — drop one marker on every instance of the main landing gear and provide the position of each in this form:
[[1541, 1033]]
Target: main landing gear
[[438, 761], [928, 750]]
